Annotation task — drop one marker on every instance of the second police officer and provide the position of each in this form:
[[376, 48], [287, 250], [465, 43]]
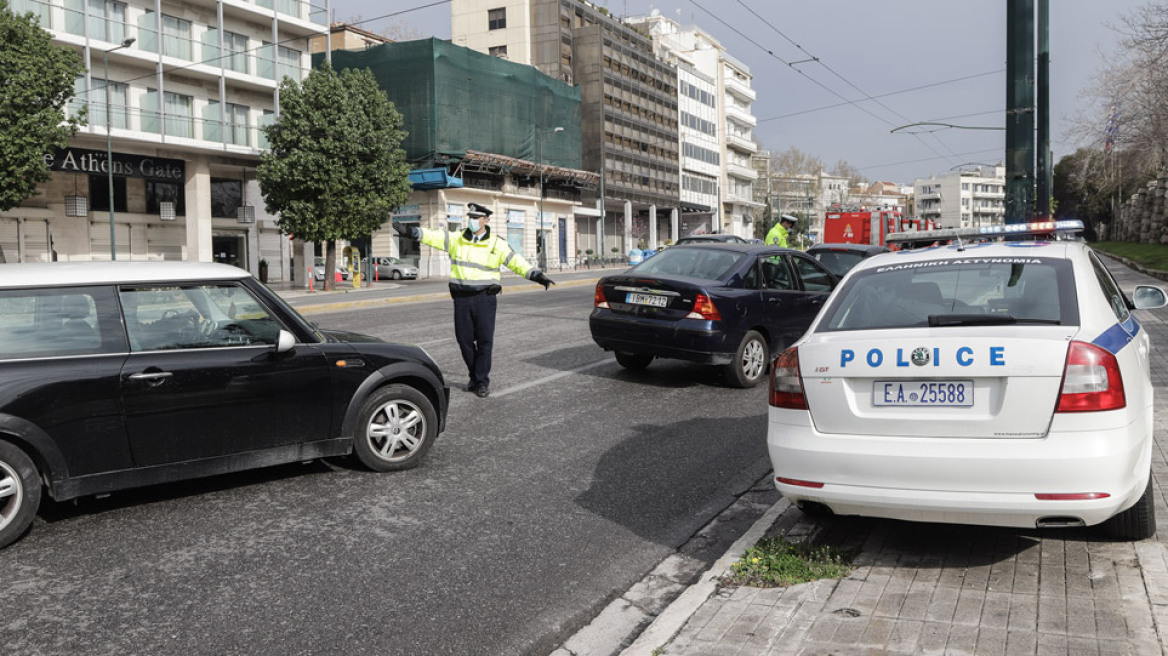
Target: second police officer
[[476, 255]]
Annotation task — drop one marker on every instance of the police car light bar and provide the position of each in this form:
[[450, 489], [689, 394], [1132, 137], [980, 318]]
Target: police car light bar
[[1068, 226]]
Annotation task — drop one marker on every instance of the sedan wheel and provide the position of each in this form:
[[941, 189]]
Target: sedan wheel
[[398, 426], [20, 493], [396, 274], [750, 362], [633, 361]]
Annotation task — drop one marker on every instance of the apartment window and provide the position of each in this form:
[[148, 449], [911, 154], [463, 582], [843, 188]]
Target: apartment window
[[212, 122], [498, 51], [38, 7], [496, 18], [237, 125], [108, 96], [290, 63], [234, 56], [178, 115], [176, 37], [266, 61]]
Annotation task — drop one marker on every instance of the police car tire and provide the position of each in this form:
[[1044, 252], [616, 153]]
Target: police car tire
[[404, 398], [1137, 522], [633, 361], [17, 510], [736, 373]]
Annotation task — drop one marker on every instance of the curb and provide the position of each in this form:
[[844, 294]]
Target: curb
[[1155, 273], [671, 620], [321, 308]]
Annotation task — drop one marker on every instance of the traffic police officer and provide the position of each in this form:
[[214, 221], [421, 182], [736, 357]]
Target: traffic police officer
[[778, 234], [475, 257]]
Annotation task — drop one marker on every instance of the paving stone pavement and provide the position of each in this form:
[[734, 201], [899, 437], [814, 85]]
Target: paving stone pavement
[[946, 589]]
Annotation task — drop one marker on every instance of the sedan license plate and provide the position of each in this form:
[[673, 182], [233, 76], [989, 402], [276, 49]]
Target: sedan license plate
[[922, 393], [647, 299]]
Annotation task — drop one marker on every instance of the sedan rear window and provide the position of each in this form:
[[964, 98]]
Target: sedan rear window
[[970, 291], [838, 262], [692, 262]]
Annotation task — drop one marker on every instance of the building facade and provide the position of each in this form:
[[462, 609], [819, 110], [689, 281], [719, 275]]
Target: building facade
[[628, 97], [963, 199], [178, 92], [738, 122]]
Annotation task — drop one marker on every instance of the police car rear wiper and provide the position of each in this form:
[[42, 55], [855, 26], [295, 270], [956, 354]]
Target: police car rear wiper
[[941, 320]]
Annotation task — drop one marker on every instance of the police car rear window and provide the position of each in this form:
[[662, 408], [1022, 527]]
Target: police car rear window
[[956, 292]]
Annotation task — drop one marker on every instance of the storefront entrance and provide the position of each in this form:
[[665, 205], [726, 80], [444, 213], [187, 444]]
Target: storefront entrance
[[230, 248]]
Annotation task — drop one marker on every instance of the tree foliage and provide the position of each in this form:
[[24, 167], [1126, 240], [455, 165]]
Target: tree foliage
[[1124, 130], [335, 168], [36, 80]]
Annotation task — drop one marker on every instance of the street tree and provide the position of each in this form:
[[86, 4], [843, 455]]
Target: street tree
[[335, 168], [36, 83]]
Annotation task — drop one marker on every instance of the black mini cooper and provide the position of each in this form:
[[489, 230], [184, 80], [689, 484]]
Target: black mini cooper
[[121, 374]]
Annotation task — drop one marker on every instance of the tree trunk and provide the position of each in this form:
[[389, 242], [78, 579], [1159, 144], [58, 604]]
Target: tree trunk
[[330, 265]]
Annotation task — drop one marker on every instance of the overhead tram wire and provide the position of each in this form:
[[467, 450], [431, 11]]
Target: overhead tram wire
[[831, 70], [856, 103], [298, 39]]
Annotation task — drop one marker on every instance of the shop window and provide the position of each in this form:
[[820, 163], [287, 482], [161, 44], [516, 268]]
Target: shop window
[[165, 192], [226, 197], [99, 193]]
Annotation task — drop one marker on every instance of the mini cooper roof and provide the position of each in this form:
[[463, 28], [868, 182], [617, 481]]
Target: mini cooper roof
[[57, 274]]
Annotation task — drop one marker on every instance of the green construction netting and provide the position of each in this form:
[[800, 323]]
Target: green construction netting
[[455, 99]]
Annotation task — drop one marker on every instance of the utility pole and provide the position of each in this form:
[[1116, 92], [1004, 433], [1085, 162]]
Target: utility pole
[[1019, 111], [1044, 170]]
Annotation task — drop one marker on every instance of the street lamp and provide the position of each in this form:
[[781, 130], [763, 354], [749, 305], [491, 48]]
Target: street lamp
[[541, 245], [109, 143]]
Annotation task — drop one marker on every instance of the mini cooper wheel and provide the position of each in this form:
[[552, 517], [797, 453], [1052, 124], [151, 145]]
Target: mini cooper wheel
[[750, 361], [397, 427], [20, 492], [633, 361]]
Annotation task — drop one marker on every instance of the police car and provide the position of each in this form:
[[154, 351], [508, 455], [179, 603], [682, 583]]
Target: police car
[[982, 381]]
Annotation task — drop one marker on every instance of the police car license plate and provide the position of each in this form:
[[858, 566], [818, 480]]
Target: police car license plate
[[918, 393], [647, 299]]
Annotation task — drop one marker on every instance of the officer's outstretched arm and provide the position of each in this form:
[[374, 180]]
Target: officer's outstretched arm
[[407, 231], [537, 276]]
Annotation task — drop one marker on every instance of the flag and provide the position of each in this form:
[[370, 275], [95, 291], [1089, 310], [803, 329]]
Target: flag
[[1113, 122]]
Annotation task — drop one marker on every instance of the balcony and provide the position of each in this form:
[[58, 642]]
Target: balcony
[[740, 171], [932, 196], [993, 195], [741, 142], [739, 88], [740, 115]]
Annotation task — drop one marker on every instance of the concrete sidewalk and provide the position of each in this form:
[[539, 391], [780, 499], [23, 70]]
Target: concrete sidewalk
[[945, 589]]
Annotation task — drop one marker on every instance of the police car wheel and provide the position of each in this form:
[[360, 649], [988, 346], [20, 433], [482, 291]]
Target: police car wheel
[[397, 427], [20, 492], [633, 361], [1137, 522], [750, 361]]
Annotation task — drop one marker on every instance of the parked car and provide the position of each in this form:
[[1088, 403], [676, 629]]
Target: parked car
[[1001, 384], [392, 268], [840, 258], [121, 374], [703, 239], [720, 304], [339, 273]]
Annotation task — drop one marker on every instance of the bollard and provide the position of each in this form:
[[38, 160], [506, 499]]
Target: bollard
[[311, 280]]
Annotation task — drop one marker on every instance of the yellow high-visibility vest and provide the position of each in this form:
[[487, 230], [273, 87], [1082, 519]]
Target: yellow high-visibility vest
[[474, 265]]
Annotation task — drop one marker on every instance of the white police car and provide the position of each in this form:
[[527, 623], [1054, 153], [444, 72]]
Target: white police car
[[999, 383]]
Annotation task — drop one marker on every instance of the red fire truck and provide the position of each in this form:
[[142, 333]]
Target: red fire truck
[[869, 226]]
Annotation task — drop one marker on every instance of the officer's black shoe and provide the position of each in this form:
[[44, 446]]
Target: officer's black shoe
[[470, 387], [482, 391]]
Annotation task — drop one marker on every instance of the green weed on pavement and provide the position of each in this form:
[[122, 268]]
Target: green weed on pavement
[[777, 562]]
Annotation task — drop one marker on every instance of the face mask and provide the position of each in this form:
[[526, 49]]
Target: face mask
[[473, 224]]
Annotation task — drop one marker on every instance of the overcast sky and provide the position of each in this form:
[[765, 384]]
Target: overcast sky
[[955, 50]]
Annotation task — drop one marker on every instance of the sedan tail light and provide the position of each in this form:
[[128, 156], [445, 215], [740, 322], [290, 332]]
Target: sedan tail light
[[598, 299], [786, 383], [1091, 380], [704, 309]]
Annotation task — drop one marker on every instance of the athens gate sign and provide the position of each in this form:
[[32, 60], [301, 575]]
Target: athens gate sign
[[80, 160]]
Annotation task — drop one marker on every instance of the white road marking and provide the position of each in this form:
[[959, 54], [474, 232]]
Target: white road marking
[[547, 379]]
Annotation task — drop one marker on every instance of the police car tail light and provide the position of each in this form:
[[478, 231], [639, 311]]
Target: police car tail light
[[1091, 380], [786, 383], [704, 309], [598, 299]]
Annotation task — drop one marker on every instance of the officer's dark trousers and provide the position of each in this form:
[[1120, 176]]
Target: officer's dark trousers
[[474, 328]]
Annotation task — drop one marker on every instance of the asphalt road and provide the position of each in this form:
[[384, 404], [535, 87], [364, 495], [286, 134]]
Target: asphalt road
[[534, 509]]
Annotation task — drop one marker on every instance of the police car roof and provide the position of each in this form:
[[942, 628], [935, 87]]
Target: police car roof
[[1056, 249], [54, 274]]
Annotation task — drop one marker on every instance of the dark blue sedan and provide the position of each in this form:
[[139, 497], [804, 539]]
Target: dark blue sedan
[[720, 304]]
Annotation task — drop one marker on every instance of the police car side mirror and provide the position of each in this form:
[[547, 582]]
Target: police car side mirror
[[1148, 297]]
